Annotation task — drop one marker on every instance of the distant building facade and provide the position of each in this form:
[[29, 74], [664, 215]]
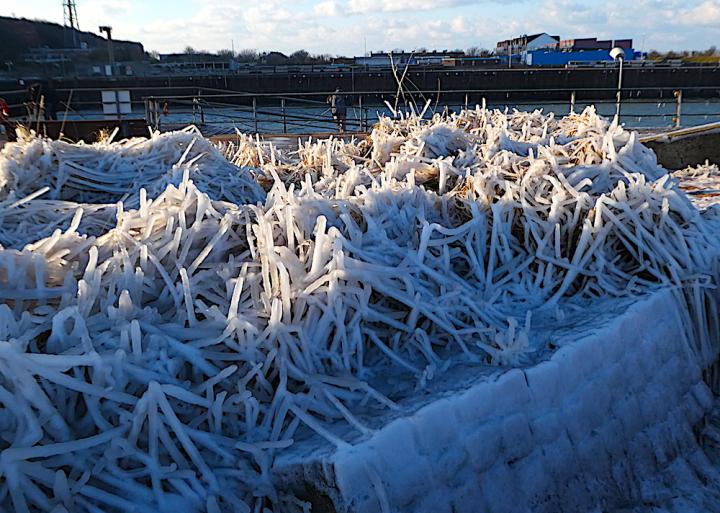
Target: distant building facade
[[546, 50], [525, 43], [274, 59], [195, 63], [47, 55], [592, 43], [388, 59]]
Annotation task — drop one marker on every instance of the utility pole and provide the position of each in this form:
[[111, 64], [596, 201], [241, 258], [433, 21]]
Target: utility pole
[[111, 53]]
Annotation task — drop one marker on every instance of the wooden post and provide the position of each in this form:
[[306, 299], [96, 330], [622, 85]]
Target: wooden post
[[678, 107], [156, 114], [284, 118], [199, 107], [437, 100], [572, 102], [255, 119]]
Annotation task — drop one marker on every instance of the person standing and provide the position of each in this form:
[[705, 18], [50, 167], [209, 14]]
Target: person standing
[[338, 108], [51, 101], [5, 120], [34, 99]]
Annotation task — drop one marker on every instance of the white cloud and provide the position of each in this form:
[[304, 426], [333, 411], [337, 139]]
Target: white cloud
[[658, 24], [373, 6], [707, 13], [328, 9], [459, 25], [342, 26], [39, 9]]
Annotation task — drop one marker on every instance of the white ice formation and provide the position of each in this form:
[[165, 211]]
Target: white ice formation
[[173, 314]]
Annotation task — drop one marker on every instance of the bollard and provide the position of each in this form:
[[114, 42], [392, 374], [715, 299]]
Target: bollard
[[362, 114], [200, 107]]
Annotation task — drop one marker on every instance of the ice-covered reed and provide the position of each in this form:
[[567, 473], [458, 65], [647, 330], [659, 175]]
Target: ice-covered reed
[[167, 326], [43, 182], [701, 183]]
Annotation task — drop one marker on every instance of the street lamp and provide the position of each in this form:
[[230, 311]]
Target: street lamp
[[111, 53], [618, 54]]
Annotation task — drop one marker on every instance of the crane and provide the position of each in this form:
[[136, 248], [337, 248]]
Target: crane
[[70, 23]]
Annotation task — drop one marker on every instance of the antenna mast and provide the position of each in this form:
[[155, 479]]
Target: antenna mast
[[70, 23]]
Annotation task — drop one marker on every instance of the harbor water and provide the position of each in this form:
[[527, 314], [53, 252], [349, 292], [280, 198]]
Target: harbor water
[[311, 119]]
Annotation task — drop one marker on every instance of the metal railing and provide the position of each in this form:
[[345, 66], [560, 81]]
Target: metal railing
[[288, 112], [294, 112]]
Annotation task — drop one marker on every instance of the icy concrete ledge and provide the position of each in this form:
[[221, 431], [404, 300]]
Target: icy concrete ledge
[[576, 432], [691, 150]]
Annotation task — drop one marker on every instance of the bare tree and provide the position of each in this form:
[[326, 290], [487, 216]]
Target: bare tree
[[300, 57], [476, 51], [322, 58], [247, 55]]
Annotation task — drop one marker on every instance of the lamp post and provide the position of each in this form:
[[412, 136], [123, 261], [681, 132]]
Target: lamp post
[[618, 54], [111, 53]]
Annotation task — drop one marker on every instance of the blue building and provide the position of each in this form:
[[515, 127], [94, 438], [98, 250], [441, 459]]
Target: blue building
[[562, 58], [545, 50]]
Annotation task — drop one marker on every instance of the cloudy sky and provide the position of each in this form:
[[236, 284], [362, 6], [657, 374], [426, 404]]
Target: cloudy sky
[[346, 26]]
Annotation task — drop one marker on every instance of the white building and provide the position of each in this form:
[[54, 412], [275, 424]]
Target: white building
[[525, 43]]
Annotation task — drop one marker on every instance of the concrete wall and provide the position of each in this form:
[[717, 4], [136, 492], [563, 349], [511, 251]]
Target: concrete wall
[[582, 430], [687, 151]]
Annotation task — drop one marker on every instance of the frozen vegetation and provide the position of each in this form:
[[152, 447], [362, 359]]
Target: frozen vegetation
[[173, 314]]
